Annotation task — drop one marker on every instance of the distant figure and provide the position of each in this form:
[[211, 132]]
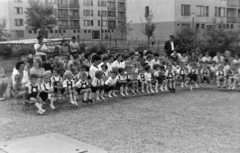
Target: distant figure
[[41, 48], [106, 37], [170, 46], [74, 46], [3, 83]]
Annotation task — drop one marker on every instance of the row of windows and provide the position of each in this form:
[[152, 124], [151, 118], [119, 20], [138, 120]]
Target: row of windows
[[202, 26], [62, 31], [203, 11]]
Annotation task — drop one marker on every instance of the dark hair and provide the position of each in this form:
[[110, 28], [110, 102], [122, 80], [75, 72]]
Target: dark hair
[[147, 67], [132, 53], [114, 72], [96, 58], [86, 55], [84, 67], [171, 36], [104, 65], [156, 54], [99, 53], [105, 58], [162, 67], [149, 56], [148, 52], [63, 42], [73, 37], [57, 70], [155, 66], [18, 64], [120, 70], [141, 53], [49, 57], [75, 56], [118, 55], [98, 74], [126, 57], [33, 76], [39, 37]]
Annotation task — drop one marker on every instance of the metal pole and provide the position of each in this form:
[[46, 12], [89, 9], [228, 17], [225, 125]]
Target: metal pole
[[101, 26]]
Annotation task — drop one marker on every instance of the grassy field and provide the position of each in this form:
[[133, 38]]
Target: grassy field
[[195, 121]]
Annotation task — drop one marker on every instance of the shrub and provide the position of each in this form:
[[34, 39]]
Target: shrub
[[6, 51], [82, 47], [141, 47]]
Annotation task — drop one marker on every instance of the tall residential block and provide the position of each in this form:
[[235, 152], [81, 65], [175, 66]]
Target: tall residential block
[[85, 19], [173, 15]]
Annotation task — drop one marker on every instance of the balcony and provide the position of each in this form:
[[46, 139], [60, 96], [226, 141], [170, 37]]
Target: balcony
[[75, 27], [111, 26], [121, 8], [63, 6], [75, 17], [232, 20], [111, 8], [63, 27], [74, 6], [62, 16], [112, 18], [122, 18], [233, 3]]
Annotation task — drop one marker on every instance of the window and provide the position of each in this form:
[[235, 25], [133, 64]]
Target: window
[[87, 22], [112, 24], [20, 34], [51, 31], [18, 1], [200, 11], [88, 2], [74, 31], [92, 23], [216, 12], [104, 23], [18, 10], [85, 31], [185, 10], [203, 26], [102, 31], [30, 31], [112, 4], [103, 13], [121, 5], [197, 26], [18, 22], [88, 12], [35, 31], [221, 12], [78, 31], [102, 3], [207, 11], [227, 26], [60, 31], [64, 31], [89, 31], [111, 13], [56, 31], [147, 11], [231, 26], [106, 31]]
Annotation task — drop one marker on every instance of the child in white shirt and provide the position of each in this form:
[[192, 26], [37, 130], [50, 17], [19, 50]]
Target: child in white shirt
[[221, 76], [110, 84], [83, 88], [98, 85], [148, 78]]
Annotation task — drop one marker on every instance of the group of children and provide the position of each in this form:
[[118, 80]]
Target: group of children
[[130, 75]]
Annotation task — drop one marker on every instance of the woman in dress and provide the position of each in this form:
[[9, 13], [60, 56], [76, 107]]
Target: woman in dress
[[37, 67], [20, 68]]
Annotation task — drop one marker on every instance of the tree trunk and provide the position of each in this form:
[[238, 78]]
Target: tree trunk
[[148, 43]]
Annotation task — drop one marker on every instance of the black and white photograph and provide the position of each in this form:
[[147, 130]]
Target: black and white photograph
[[119, 76]]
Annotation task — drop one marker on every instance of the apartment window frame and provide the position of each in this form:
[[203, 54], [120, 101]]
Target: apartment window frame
[[186, 10], [88, 2], [207, 11], [220, 13], [87, 23], [30, 31], [87, 12], [17, 1], [201, 10], [20, 22], [216, 12], [18, 10], [147, 11]]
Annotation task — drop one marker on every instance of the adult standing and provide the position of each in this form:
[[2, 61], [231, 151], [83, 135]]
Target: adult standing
[[20, 69], [74, 46], [64, 50], [170, 45], [41, 48], [3, 83]]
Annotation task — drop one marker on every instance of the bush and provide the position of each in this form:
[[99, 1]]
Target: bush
[[94, 49], [82, 47], [6, 51], [141, 47]]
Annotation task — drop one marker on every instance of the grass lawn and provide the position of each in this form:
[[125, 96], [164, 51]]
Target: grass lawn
[[195, 121]]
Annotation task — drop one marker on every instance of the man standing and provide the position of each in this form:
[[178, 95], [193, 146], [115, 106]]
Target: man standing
[[41, 48], [74, 47], [170, 46]]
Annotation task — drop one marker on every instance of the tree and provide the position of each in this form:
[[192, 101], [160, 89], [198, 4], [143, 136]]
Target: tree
[[123, 29], [3, 33], [148, 27], [40, 16]]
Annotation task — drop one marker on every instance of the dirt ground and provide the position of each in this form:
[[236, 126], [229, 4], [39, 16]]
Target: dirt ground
[[195, 121]]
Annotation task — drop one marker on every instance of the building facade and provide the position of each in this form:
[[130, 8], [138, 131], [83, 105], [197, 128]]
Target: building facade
[[173, 15], [85, 19]]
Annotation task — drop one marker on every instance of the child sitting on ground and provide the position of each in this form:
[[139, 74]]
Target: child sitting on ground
[[122, 82], [57, 80], [131, 82], [110, 84], [221, 76], [47, 89], [18, 90], [148, 78], [33, 91], [181, 74], [69, 87], [193, 75], [170, 77], [205, 74], [84, 88], [98, 85]]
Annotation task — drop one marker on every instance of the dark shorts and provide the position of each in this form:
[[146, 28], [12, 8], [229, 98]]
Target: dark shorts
[[109, 88], [193, 77], [94, 89], [44, 96], [32, 95]]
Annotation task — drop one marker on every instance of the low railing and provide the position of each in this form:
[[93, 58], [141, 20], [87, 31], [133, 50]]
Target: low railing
[[75, 27]]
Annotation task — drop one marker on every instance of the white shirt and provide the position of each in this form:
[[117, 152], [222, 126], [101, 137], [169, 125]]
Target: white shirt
[[109, 65], [172, 45], [236, 61], [25, 77], [66, 83], [155, 61], [29, 87], [46, 86], [92, 71], [44, 48], [97, 82], [148, 76], [216, 59], [74, 45], [226, 68], [111, 82], [116, 64], [204, 59]]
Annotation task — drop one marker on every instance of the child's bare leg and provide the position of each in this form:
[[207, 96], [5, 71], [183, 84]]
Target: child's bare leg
[[142, 86]]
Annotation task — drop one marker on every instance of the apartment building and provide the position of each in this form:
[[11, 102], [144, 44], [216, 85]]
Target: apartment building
[[85, 19], [173, 15]]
